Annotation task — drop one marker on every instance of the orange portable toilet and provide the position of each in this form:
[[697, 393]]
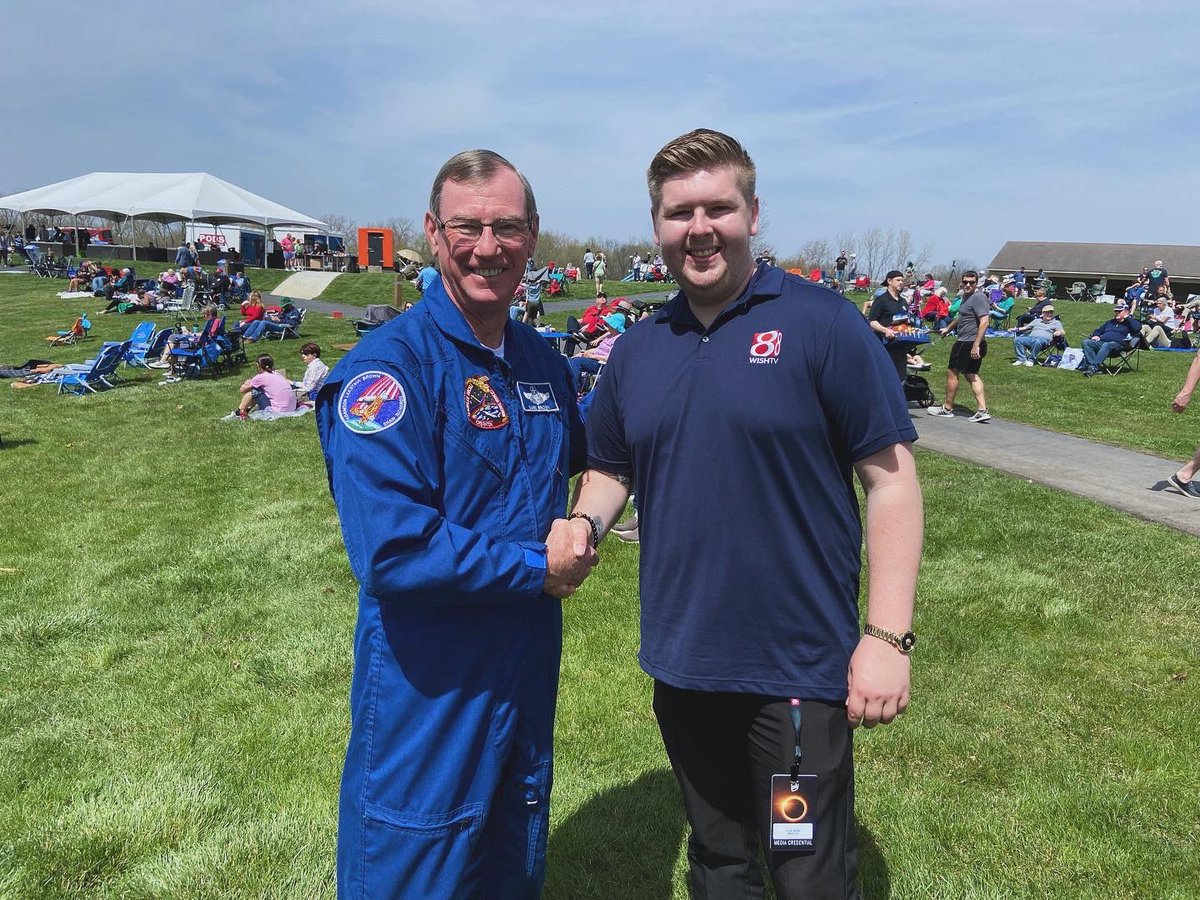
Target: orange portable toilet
[[375, 248]]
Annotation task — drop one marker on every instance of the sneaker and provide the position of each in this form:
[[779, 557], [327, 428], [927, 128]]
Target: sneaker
[[1019, 362], [236, 414], [981, 415], [940, 411], [1029, 362], [628, 525], [1187, 488], [629, 537], [170, 379], [158, 364]]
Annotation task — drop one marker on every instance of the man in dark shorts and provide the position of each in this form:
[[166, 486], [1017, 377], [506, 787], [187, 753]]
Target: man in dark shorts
[[969, 348]]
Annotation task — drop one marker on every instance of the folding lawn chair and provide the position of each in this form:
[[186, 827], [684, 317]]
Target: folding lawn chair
[[141, 357], [1124, 358], [288, 330], [1078, 291], [1051, 353], [77, 332], [97, 376]]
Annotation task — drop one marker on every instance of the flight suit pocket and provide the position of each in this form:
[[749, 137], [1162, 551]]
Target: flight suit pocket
[[418, 855]]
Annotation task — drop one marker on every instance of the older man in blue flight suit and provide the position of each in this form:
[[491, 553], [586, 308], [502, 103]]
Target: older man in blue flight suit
[[449, 435]]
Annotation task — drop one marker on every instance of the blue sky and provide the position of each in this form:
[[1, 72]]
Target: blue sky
[[968, 124]]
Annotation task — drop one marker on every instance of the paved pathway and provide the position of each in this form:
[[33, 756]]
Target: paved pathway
[[304, 285], [1127, 480]]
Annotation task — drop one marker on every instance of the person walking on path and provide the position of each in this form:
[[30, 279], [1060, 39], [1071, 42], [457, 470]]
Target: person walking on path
[[1182, 480], [970, 347]]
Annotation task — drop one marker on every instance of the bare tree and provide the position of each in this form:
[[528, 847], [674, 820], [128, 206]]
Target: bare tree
[[343, 225], [871, 250], [761, 244], [816, 254]]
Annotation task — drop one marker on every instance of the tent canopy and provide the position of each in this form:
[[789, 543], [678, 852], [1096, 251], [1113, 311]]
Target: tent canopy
[[157, 197]]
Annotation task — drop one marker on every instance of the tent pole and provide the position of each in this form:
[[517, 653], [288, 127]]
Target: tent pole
[[76, 218]]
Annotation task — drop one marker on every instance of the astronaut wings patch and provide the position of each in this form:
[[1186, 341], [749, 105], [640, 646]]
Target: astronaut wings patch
[[537, 397]]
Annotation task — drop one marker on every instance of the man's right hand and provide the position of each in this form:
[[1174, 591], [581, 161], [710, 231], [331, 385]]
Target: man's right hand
[[570, 556]]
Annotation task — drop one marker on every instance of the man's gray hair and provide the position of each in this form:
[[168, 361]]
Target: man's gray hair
[[477, 165]]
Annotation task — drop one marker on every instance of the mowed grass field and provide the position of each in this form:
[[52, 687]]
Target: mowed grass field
[[176, 613]]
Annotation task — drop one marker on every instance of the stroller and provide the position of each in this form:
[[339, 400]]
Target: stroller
[[377, 314]]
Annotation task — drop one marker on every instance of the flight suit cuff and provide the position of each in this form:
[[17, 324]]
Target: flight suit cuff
[[535, 563]]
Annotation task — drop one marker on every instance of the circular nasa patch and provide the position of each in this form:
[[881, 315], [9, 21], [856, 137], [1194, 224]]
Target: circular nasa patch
[[371, 402]]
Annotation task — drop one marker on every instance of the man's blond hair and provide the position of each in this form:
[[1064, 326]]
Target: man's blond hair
[[702, 148]]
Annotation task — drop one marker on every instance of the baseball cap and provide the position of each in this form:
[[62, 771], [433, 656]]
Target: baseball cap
[[1047, 308]]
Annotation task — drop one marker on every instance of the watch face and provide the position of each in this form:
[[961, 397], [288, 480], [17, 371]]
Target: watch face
[[908, 640]]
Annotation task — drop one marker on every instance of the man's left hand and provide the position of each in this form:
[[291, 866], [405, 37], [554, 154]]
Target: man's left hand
[[878, 683]]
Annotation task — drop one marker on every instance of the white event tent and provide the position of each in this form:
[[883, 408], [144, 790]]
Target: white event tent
[[158, 197]]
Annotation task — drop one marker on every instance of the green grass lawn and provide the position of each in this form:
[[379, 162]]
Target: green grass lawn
[[176, 613]]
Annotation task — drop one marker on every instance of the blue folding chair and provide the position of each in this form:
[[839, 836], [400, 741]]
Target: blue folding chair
[[97, 376], [149, 352]]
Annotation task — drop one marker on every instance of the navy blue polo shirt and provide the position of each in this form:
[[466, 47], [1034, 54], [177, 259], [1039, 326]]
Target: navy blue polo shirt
[[740, 439]]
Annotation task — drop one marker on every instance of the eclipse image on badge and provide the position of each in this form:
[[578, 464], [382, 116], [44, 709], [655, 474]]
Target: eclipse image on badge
[[371, 402], [792, 812]]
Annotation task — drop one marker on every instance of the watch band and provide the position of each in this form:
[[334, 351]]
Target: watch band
[[902, 642], [593, 521]]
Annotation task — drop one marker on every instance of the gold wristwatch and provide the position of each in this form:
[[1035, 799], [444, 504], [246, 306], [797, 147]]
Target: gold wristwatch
[[902, 642]]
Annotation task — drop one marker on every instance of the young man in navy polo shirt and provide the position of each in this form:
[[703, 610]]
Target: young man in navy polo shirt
[[739, 414]]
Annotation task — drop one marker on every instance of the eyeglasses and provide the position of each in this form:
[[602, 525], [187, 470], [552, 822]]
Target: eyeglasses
[[467, 231], [968, 281]]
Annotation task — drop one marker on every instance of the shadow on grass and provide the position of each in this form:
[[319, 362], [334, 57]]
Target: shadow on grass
[[13, 443], [873, 875], [623, 845]]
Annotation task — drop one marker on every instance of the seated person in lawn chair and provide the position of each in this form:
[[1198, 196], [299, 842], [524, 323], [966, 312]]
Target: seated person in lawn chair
[[590, 361], [287, 319], [533, 308], [220, 286], [1121, 330], [239, 288], [936, 310], [1160, 323], [1002, 307], [125, 283], [1033, 338], [83, 276], [252, 311], [1031, 315], [188, 338]]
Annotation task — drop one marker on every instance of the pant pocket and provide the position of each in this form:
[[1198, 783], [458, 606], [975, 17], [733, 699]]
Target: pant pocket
[[419, 855]]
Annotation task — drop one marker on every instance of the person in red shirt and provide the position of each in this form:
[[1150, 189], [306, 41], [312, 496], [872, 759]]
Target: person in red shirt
[[936, 310]]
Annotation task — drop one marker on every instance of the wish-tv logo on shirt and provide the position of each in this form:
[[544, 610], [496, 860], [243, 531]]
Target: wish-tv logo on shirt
[[764, 348]]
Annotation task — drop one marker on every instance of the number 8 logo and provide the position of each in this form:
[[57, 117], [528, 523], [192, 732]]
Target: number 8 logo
[[766, 343]]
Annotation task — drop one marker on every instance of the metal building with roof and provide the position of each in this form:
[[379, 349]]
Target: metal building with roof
[[1111, 266]]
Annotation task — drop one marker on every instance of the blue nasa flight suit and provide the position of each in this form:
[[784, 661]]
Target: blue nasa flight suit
[[447, 465]]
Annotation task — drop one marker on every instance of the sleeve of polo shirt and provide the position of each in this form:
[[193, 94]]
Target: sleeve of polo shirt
[[385, 485], [607, 451], [860, 394]]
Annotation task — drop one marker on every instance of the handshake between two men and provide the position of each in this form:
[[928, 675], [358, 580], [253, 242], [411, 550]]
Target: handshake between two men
[[570, 556]]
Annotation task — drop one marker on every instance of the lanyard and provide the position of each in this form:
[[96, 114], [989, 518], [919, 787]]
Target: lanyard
[[795, 714]]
